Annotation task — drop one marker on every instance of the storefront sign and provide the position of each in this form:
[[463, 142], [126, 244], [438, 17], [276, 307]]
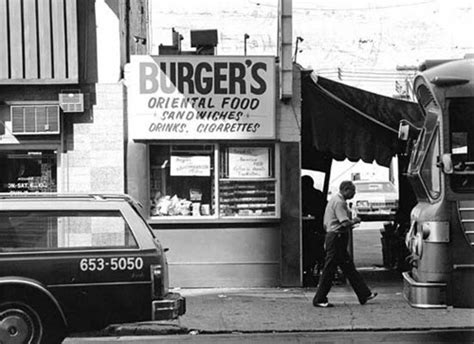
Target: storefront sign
[[201, 97], [190, 166], [248, 162]]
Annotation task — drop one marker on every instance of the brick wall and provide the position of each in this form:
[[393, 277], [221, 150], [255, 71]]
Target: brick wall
[[94, 157]]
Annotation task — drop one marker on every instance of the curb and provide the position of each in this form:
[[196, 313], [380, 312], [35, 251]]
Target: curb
[[152, 329], [144, 328]]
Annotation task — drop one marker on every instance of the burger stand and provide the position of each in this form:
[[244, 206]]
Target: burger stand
[[204, 160]]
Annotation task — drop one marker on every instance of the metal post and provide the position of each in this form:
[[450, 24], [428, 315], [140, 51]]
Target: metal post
[[246, 37]]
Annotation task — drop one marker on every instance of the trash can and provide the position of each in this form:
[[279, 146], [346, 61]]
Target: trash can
[[389, 242]]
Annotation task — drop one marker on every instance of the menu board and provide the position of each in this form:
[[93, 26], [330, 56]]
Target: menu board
[[190, 166], [249, 162]]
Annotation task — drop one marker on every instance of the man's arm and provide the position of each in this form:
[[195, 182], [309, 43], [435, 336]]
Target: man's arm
[[342, 214], [350, 222]]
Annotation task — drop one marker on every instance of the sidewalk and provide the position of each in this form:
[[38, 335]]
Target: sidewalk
[[290, 309]]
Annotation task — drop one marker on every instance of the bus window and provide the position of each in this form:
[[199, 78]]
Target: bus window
[[425, 182], [421, 145], [430, 173], [461, 121]]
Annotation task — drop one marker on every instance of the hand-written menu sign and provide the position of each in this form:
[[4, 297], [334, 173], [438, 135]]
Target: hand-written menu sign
[[199, 166], [201, 97], [249, 162]]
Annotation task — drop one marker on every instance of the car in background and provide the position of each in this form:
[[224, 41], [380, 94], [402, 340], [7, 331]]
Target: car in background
[[375, 201], [72, 263]]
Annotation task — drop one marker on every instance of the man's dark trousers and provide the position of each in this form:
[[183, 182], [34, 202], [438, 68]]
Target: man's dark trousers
[[336, 254]]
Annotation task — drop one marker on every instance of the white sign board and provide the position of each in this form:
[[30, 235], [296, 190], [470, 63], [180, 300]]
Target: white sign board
[[190, 166], [249, 162], [201, 97]]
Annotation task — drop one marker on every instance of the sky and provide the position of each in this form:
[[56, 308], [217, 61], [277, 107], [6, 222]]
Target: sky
[[371, 34]]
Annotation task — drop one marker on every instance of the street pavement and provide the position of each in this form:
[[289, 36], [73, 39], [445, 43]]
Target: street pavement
[[328, 337], [266, 310], [288, 309], [367, 244]]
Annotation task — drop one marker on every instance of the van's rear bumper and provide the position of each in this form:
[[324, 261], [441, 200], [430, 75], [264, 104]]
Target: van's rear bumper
[[170, 307]]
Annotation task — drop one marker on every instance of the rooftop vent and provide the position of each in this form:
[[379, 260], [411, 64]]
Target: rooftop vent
[[205, 41]]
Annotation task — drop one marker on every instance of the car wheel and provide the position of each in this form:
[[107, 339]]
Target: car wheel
[[19, 323]]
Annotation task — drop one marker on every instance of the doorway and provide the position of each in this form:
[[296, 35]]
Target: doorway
[[313, 204]]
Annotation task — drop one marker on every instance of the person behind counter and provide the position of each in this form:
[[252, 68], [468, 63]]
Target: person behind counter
[[313, 204]]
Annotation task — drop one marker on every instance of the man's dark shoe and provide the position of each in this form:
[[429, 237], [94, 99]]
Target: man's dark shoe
[[323, 304], [368, 298]]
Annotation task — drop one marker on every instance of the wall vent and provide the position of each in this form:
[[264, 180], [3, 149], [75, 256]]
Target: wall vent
[[35, 119], [71, 102]]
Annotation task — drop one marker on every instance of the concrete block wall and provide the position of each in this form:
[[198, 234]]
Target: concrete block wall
[[94, 159]]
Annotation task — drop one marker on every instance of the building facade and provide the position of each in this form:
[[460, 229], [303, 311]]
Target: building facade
[[214, 159], [221, 188], [61, 113]]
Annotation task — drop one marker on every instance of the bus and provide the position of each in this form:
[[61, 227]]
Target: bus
[[441, 173]]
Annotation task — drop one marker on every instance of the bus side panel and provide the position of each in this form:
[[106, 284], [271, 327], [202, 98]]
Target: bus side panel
[[462, 253]]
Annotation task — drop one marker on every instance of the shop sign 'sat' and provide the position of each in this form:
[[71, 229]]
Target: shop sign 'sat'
[[201, 97]]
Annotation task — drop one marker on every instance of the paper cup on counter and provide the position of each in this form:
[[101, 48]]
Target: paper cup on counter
[[196, 209], [205, 209]]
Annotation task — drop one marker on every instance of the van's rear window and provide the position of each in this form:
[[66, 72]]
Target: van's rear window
[[52, 230]]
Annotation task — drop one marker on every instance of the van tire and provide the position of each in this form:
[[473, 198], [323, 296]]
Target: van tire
[[26, 323]]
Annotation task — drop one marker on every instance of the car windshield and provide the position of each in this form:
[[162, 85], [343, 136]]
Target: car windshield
[[375, 187]]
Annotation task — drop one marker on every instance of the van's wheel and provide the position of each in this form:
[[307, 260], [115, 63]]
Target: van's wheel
[[19, 323]]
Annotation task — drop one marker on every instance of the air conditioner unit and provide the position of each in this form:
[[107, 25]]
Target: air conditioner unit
[[35, 119], [71, 102]]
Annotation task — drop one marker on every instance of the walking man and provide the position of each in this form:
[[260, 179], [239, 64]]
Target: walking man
[[338, 223]]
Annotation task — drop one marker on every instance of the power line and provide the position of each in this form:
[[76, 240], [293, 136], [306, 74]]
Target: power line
[[335, 9]]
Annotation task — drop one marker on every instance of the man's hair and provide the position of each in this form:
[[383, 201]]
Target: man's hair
[[346, 185]]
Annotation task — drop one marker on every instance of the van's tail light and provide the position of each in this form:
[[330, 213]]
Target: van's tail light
[[159, 281]]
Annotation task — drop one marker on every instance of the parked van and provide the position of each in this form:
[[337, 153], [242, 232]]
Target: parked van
[[78, 262]]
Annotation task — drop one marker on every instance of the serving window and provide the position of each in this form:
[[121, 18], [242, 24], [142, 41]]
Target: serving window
[[28, 171], [213, 180], [182, 180], [247, 181]]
